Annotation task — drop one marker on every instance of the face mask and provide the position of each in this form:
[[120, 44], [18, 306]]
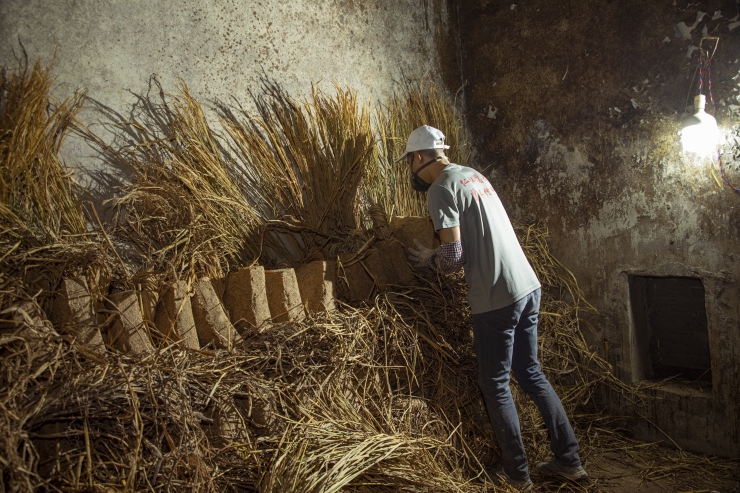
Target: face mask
[[417, 183]]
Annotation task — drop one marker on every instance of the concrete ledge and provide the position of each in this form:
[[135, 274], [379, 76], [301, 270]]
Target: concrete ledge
[[680, 415], [284, 296]]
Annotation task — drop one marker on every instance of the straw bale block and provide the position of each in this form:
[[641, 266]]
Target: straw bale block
[[245, 298], [211, 321], [406, 229], [73, 312], [361, 275], [174, 316], [128, 333], [148, 301], [316, 282], [395, 265], [284, 296]]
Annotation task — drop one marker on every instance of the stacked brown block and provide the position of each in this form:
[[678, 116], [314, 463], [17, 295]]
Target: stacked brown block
[[73, 312], [174, 316], [211, 321], [361, 275], [316, 282], [245, 299], [284, 296], [395, 263], [406, 229], [128, 333], [224, 421]]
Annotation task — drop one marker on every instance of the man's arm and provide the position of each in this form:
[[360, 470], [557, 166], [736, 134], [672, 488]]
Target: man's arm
[[451, 257], [449, 235]]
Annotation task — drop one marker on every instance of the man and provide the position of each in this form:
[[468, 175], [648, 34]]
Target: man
[[504, 297]]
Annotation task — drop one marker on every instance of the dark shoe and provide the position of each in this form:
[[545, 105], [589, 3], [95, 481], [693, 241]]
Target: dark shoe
[[554, 468], [523, 484]]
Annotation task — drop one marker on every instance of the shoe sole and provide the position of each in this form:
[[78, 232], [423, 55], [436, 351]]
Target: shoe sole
[[499, 478], [572, 477]]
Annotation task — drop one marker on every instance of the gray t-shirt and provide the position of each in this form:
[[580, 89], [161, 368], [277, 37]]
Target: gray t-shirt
[[496, 269]]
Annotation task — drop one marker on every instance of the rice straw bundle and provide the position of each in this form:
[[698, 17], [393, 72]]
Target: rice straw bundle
[[303, 162], [43, 233], [183, 209], [418, 102], [37, 204]]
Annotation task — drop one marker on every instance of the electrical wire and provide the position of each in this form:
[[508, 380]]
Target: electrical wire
[[722, 172], [714, 111]]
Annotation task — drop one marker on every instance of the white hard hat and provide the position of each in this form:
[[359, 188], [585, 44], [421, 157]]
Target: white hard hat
[[423, 138]]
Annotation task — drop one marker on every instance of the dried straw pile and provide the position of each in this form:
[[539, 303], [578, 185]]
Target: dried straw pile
[[418, 102], [374, 398]]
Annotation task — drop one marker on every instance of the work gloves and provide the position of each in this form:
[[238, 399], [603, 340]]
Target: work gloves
[[419, 258]]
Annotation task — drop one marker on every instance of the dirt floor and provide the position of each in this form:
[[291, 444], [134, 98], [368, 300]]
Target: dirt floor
[[622, 471], [611, 473]]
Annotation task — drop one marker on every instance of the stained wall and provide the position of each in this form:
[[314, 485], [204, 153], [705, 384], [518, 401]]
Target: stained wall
[[574, 109]]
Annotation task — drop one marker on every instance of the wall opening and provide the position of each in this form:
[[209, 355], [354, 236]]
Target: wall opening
[[670, 338]]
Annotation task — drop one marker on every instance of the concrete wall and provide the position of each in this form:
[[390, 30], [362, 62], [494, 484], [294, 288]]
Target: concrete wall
[[219, 48], [574, 107]]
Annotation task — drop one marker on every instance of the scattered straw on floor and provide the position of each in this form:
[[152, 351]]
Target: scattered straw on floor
[[370, 398]]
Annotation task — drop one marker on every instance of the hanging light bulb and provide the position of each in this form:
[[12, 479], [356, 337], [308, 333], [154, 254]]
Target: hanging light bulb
[[699, 132]]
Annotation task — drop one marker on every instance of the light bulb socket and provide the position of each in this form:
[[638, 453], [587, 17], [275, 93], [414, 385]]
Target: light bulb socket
[[700, 102]]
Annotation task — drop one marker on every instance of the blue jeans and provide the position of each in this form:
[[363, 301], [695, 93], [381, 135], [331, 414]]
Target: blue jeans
[[506, 340]]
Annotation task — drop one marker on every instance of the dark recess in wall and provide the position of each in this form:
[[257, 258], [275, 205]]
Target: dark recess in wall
[[670, 324]]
